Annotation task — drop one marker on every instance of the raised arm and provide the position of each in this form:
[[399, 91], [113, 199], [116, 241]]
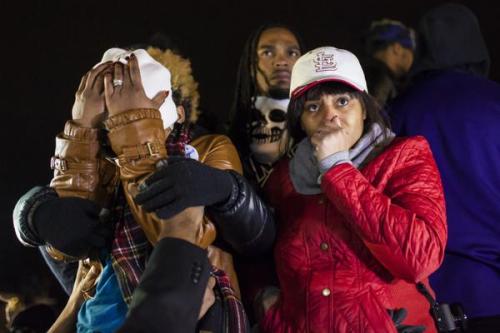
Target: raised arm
[[404, 227]]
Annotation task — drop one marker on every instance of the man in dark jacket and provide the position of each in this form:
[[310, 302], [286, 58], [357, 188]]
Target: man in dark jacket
[[167, 300], [172, 300], [454, 105], [257, 119], [257, 126]]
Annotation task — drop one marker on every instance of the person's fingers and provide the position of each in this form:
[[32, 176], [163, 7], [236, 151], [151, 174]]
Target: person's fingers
[[89, 279], [95, 72], [88, 81], [160, 200], [208, 297], [160, 174], [163, 199], [399, 315], [81, 86], [160, 98], [99, 80], [127, 78], [118, 76], [108, 86], [316, 139], [170, 210], [337, 122], [80, 273], [211, 283], [147, 191], [135, 73], [92, 274], [99, 85]]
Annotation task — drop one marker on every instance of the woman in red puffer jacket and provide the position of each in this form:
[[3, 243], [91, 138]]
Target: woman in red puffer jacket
[[361, 214]]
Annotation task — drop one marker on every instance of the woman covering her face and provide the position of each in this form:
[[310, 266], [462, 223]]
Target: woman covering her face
[[361, 213], [146, 100]]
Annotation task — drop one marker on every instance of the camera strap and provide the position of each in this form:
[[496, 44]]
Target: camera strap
[[424, 291], [435, 310], [443, 318]]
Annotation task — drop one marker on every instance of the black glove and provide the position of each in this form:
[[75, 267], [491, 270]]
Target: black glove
[[71, 225], [181, 184], [397, 316]]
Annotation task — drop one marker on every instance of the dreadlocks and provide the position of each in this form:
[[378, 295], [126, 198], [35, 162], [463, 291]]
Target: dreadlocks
[[246, 87]]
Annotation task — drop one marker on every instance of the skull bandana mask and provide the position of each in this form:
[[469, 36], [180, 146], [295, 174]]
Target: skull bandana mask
[[268, 131]]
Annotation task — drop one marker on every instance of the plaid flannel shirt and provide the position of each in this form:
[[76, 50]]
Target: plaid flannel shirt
[[130, 251]]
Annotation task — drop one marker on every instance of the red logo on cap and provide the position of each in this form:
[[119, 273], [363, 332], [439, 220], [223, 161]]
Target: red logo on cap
[[324, 62]]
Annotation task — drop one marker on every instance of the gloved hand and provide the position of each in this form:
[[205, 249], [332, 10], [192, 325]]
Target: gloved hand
[[181, 184], [71, 225], [398, 316]]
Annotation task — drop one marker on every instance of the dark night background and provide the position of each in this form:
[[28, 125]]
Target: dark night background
[[48, 45]]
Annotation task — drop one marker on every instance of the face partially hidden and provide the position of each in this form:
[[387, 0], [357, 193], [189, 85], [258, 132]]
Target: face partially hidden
[[406, 60], [277, 52], [398, 59], [331, 111], [268, 131]]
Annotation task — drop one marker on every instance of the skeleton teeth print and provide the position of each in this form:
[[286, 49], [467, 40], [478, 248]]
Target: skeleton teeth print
[[270, 120], [267, 131]]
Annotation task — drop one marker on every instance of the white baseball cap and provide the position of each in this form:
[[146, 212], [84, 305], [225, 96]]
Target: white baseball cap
[[155, 78], [326, 64]]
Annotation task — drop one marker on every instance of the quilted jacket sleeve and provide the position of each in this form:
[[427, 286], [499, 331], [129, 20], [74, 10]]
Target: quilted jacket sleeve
[[405, 226]]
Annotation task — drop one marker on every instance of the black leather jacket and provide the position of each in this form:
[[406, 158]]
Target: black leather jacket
[[244, 220]]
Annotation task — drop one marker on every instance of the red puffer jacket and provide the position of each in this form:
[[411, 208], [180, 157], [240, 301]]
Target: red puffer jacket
[[347, 255]]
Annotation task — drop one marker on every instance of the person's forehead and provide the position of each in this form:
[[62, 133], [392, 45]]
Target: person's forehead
[[327, 95], [275, 36]]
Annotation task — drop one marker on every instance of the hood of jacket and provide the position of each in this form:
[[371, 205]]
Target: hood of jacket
[[450, 38]]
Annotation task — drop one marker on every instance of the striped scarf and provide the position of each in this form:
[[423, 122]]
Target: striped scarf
[[235, 318]]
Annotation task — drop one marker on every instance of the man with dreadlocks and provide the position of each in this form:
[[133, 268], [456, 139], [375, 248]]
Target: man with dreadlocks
[[145, 120], [257, 126], [257, 123]]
